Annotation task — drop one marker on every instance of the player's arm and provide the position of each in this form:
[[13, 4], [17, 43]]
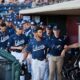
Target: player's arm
[[75, 45], [67, 47], [11, 46], [64, 51], [18, 48], [26, 44], [27, 50]]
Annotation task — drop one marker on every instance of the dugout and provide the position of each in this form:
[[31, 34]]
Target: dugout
[[67, 14]]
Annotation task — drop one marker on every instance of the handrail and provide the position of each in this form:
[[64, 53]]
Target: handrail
[[15, 64]]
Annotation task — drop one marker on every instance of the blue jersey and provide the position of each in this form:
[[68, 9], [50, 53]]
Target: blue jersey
[[56, 45], [10, 30], [17, 40], [3, 40], [37, 48], [44, 34], [48, 38], [29, 33]]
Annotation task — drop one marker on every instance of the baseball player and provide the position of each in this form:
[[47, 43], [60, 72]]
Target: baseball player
[[4, 36], [56, 53], [49, 35], [17, 43], [37, 47], [10, 28], [27, 28]]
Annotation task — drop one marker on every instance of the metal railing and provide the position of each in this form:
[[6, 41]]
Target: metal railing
[[15, 73]]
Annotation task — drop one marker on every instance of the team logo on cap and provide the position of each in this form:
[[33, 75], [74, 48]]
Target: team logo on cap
[[55, 27]]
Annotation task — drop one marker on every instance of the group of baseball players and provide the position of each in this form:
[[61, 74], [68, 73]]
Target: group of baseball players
[[42, 46]]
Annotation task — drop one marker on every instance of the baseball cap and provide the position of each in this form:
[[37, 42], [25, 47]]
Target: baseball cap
[[33, 23], [10, 8], [25, 21], [56, 27], [49, 27], [9, 20], [19, 26]]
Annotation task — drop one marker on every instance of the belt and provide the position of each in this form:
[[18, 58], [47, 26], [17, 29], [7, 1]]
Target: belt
[[16, 51], [39, 59]]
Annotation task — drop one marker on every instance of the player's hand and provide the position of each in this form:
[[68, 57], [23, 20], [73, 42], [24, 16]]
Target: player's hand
[[63, 53], [66, 47]]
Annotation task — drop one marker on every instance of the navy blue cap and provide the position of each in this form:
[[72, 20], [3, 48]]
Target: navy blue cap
[[42, 23], [56, 27], [19, 27], [49, 27], [10, 8], [25, 21], [33, 23], [9, 20]]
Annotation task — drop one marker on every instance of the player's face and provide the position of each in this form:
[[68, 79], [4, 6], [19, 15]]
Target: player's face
[[9, 24], [40, 33], [24, 26], [10, 11], [19, 31], [0, 20], [28, 25], [56, 33], [48, 32], [3, 29]]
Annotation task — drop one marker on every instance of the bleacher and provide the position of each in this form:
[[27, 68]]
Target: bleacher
[[19, 6]]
